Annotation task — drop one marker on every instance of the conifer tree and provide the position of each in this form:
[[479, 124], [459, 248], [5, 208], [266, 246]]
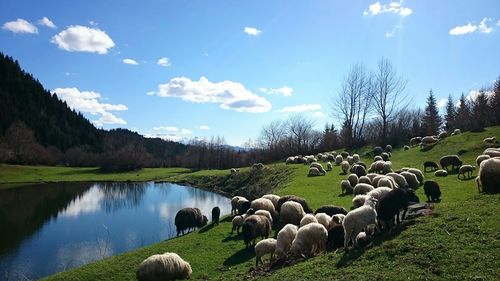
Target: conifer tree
[[463, 115], [432, 119], [451, 114]]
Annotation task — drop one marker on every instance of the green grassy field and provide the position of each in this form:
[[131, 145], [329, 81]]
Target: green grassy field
[[460, 241]]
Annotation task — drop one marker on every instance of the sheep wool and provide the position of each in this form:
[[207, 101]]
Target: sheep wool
[[345, 166], [324, 219], [274, 198], [284, 239], [167, 266], [263, 247], [357, 220], [291, 212], [307, 219], [359, 200], [362, 188], [346, 187], [489, 175], [310, 239]]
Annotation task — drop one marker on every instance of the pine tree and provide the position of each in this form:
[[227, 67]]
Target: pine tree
[[495, 103], [463, 115], [451, 114], [481, 112], [432, 119]]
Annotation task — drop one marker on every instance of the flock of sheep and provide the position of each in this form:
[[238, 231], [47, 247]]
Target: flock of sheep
[[380, 195]]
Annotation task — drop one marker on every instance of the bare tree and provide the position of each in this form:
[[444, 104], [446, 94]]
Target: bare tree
[[353, 104], [300, 129], [389, 95], [272, 134]]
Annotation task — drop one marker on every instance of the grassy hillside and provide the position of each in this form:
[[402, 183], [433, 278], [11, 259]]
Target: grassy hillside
[[461, 240]]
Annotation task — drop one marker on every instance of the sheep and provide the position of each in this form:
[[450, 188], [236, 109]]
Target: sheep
[[490, 140], [405, 148], [388, 148], [489, 176], [387, 167], [377, 193], [440, 173], [443, 135], [284, 239], [331, 210], [243, 206], [411, 179], [291, 212], [266, 246], [359, 170], [416, 172], [361, 238], [264, 204], [362, 188], [310, 239], [274, 198], [377, 167], [345, 166], [215, 215], [338, 159], [234, 203], [430, 164], [385, 182], [239, 219], [432, 190], [254, 226], [466, 169], [324, 219], [318, 166], [350, 160], [492, 152], [399, 179], [329, 166], [391, 204], [377, 158], [353, 179], [377, 150], [371, 176], [313, 171], [290, 160], [365, 179], [167, 266], [265, 214], [297, 199], [355, 158], [428, 141], [456, 132], [307, 219], [337, 219], [335, 237], [258, 166], [385, 156], [346, 187], [344, 154], [188, 218], [415, 141], [358, 200], [234, 171], [357, 220], [481, 158]]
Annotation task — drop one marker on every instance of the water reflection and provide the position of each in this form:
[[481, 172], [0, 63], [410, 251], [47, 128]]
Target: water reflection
[[55, 227]]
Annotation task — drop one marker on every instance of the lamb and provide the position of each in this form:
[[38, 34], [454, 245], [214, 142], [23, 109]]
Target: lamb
[[331, 210], [365, 179], [466, 169], [335, 237], [405, 148], [481, 158], [388, 148], [310, 239], [489, 176], [391, 204], [266, 246], [338, 159], [430, 164], [234, 203], [345, 166], [355, 158], [307, 219], [377, 193], [418, 173], [415, 141], [362, 188], [265, 214], [337, 219], [188, 218], [329, 166], [357, 220], [254, 226], [411, 179], [324, 219], [291, 212], [313, 171], [167, 266], [215, 215], [274, 198], [440, 173], [359, 170], [490, 140], [432, 190], [359, 200], [450, 160], [346, 187], [318, 166], [239, 219], [399, 179], [297, 199], [264, 204], [353, 179], [284, 239]]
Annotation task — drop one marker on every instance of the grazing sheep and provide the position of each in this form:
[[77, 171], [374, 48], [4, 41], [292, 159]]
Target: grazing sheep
[[265, 214], [371, 176], [441, 173], [310, 239], [430, 164], [357, 220], [324, 219], [266, 246], [284, 239], [415, 141], [344, 154], [405, 148], [290, 160], [345, 166], [399, 179], [490, 140], [254, 226], [456, 132], [428, 141], [388, 148], [355, 158], [361, 239], [432, 190], [234, 203], [418, 173], [387, 167], [297, 199], [391, 204], [313, 171], [359, 170], [385, 156], [443, 135], [234, 171], [274, 198], [337, 219], [350, 160], [411, 179], [377, 193], [188, 218], [338, 159], [346, 187], [264, 204], [377, 158], [307, 219], [335, 237], [167, 266], [365, 179], [331, 210], [492, 152], [362, 188], [489, 176], [377, 167], [243, 206], [466, 169], [215, 215], [377, 150], [258, 166], [318, 166], [358, 200], [353, 179], [291, 212], [385, 182], [481, 158], [329, 166], [239, 219]]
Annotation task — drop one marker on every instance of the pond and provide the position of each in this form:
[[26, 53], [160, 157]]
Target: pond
[[50, 228]]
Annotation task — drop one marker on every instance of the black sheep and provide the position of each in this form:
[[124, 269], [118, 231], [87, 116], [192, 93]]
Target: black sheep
[[255, 226], [450, 160], [432, 190], [430, 164], [215, 215], [294, 198], [393, 202], [331, 210], [358, 170], [188, 218], [243, 208], [344, 154], [335, 237]]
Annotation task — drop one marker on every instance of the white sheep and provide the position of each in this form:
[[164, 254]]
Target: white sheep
[[234, 203], [310, 239], [265, 214], [337, 220], [440, 173], [291, 212], [490, 140], [313, 171], [365, 179], [362, 188], [167, 266], [492, 152], [274, 198], [456, 132], [377, 167], [359, 200], [371, 176], [346, 187], [377, 158], [324, 219], [284, 239], [350, 160], [387, 167], [307, 219], [357, 220], [356, 158], [329, 166], [377, 193], [361, 238], [488, 179], [263, 247], [238, 222], [411, 179], [405, 148], [399, 179], [234, 171], [338, 159], [385, 182], [353, 179], [264, 204], [290, 160], [388, 148], [345, 166], [481, 158], [318, 166], [466, 169], [418, 173]]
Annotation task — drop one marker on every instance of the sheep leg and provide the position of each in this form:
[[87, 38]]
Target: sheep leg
[[404, 213]]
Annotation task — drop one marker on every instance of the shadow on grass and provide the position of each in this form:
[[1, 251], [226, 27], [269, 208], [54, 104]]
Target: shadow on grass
[[239, 257], [81, 172], [206, 228], [233, 237]]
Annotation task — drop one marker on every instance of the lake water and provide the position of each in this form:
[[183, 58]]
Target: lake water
[[50, 228]]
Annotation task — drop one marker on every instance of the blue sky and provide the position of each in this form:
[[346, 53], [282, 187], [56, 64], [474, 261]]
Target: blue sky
[[184, 69]]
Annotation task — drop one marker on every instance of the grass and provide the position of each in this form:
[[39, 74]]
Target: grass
[[460, 241]]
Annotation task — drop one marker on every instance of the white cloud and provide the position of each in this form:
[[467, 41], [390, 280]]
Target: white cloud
[[93, 23], [483, 26], [151, 93], [20, 26], [498, 23], [474, 93], [301, 108], [130, 61], [471, 28], [171, 133], [229, 94], [392, 32], [166, 128], [204, 127], [89, 102], [46, 22], [318, 114], [252, 31], [164, 62], [442, 102], [83, 39], [393, 7], [283, 91]]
